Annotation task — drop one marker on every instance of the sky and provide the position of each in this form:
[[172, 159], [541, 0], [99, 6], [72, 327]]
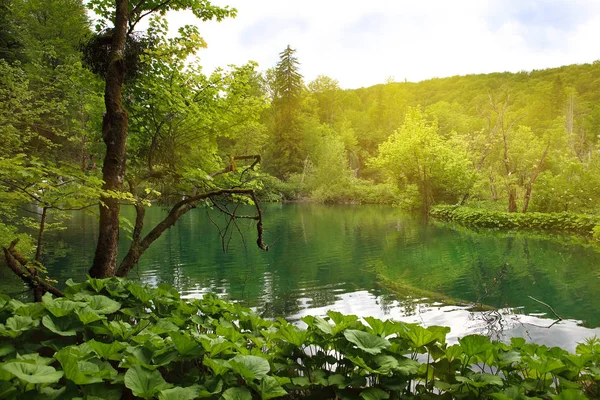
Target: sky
[[363, 43]]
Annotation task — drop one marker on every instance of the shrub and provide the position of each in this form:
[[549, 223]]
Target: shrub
[[564, 221], [356, 191], [275, 190]]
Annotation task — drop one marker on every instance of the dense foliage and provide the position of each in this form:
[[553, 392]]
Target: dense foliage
[[55, 127], [567, 222], [518, 142], [526, 141], [73, 139], [112, 338]]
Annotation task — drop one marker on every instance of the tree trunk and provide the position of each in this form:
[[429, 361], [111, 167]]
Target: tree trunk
[[512, 198], [114, 134], [40, 241], [527, 197], [38, 291], [138, 247], [83, 154], [529, 186], [19, 265]]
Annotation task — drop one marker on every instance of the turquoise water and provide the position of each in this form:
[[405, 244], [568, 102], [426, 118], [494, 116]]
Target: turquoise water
[[332, 257]]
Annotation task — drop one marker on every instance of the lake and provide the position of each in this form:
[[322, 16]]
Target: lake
[[347, 258]]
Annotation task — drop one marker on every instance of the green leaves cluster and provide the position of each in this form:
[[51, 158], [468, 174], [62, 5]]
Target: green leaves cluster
[[112, 338], [584, 224], [416, 154]]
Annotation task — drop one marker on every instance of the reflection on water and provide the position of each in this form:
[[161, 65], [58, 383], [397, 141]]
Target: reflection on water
[[332, 257], [460, 319]]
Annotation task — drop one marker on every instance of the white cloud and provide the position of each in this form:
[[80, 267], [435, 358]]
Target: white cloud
[[363, 43]]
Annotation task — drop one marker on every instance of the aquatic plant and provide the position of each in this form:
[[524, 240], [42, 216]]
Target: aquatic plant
[[561, 222], [114, 338]]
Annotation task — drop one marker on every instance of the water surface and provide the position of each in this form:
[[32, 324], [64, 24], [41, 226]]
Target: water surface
[[334, 257]]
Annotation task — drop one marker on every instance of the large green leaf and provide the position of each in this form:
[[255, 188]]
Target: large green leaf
[[237, 393], [33, 373], [33, 310], [337, 380], [143, 382], [377, 326], [98, 284], [545, 365], [270, 388], [323, 326], [250, 367], [164, 326], [7, 389], [179, 393], [215, 346], [571, 394], [34, 358], [141, 293], [77, 370], [359, 362], [17, 324], [4, 300], [63, 326], [292, 334], [510, 393], [185, 345], [87, 315], [6, 348], [101, 304], [395, 364], [420, 336], [480, 380], [60, 307], [51, 393], [108, 351], [474, 344], [365, 341], [122, 330]]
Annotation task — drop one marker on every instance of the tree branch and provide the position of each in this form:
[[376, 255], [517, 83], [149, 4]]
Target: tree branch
[[138, 19], [232, 166], [547, 305], [13, 259], [177, 211]]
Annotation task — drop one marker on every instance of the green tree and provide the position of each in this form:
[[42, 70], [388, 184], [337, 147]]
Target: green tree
[[51, 31], [11, 47], [328, 95], [121, 17], [35, 195], [417, 155], [285, 153], [178, 115], [47, 104]]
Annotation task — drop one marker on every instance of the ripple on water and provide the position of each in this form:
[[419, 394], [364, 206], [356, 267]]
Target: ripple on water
[[325, 257]]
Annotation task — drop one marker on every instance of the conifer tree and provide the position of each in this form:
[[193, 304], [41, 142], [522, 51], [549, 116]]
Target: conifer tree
[[286, 156]]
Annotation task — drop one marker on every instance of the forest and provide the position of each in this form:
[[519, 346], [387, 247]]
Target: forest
[[99, 114]]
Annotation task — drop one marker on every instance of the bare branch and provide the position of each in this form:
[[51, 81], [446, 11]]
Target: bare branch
[[178, 210], [133, 23], [547, 305], [225, 211]]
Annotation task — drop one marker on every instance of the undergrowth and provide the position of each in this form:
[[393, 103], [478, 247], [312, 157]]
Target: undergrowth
[[115, 339], [583, 224]]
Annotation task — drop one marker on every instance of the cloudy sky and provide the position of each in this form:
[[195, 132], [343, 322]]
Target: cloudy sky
[[362, 43]]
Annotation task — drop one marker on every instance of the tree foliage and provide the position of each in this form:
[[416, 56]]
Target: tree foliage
[[417, 155]]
